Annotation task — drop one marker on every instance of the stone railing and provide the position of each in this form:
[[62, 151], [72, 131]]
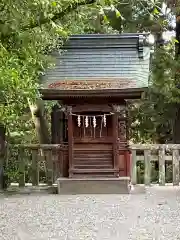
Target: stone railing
[[160, 154], [35, 163]]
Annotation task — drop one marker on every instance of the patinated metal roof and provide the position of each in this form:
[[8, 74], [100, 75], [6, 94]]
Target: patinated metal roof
[[100, 61]]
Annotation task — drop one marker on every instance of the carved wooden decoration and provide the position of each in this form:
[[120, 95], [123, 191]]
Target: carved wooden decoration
[[121, 109], [122, 124], [122, 130]]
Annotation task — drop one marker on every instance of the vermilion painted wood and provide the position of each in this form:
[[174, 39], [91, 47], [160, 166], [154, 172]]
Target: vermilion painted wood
[[115, 139]]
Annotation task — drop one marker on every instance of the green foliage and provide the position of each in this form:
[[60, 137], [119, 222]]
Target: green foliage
[[154, 172], [153, 117], [28, 31], [32, 29]]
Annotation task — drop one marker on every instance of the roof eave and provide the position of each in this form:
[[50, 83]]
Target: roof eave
[[57, 94], [108, 36]]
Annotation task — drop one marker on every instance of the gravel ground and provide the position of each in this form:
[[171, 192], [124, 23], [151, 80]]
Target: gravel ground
[[154, 215]]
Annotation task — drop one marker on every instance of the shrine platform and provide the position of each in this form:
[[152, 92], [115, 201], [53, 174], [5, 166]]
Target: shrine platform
[[70, 186]]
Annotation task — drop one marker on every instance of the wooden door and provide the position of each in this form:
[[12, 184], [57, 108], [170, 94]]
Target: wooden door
[[93, 144]]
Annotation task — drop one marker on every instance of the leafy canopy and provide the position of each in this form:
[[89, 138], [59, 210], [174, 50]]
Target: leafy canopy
[[29, 29]]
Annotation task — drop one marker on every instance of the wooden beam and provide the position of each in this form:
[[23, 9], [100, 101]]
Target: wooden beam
[[92, 107]]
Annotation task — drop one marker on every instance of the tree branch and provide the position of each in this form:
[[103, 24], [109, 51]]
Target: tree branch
[[59, 15]]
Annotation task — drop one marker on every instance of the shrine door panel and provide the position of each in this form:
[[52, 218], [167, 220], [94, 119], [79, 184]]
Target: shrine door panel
[[92, 134]]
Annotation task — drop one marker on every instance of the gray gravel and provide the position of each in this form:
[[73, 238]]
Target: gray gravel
[[154, 215]]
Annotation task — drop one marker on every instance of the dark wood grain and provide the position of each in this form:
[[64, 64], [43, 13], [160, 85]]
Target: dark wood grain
[[70, 139]]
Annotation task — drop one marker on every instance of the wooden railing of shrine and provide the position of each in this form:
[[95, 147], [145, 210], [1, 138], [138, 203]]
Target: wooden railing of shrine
[[35, 164], [162, 156]]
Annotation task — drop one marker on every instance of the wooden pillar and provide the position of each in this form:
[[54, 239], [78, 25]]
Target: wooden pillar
[[127, 122], [128, 151], [115, 141], [121, 135], [70, 140]]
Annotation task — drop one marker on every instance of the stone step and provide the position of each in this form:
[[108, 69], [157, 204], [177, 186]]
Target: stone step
[[93, 185]]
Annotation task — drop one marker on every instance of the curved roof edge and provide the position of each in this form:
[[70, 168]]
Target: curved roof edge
[[108, 36]]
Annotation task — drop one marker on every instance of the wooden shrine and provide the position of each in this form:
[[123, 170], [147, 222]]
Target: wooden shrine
[[92, 80]]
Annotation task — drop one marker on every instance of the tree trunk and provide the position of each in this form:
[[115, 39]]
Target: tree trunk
[[57, 125], [176, 127], [3, 183], [40, 122]]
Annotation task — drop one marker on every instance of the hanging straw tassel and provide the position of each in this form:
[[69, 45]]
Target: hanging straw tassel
[[94, 121], [104, 120], [79, 121], [86, 122]]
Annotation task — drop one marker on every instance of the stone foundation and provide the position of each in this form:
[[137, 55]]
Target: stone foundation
[[94, 185]]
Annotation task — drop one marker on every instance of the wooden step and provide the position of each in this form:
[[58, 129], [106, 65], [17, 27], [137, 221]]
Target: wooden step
[[95, 149], [98, 156], [93, 166], [92, 156], [90, 170], [95, 175], [85, 163], [94, 162], [91, 151], [92, 173]]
